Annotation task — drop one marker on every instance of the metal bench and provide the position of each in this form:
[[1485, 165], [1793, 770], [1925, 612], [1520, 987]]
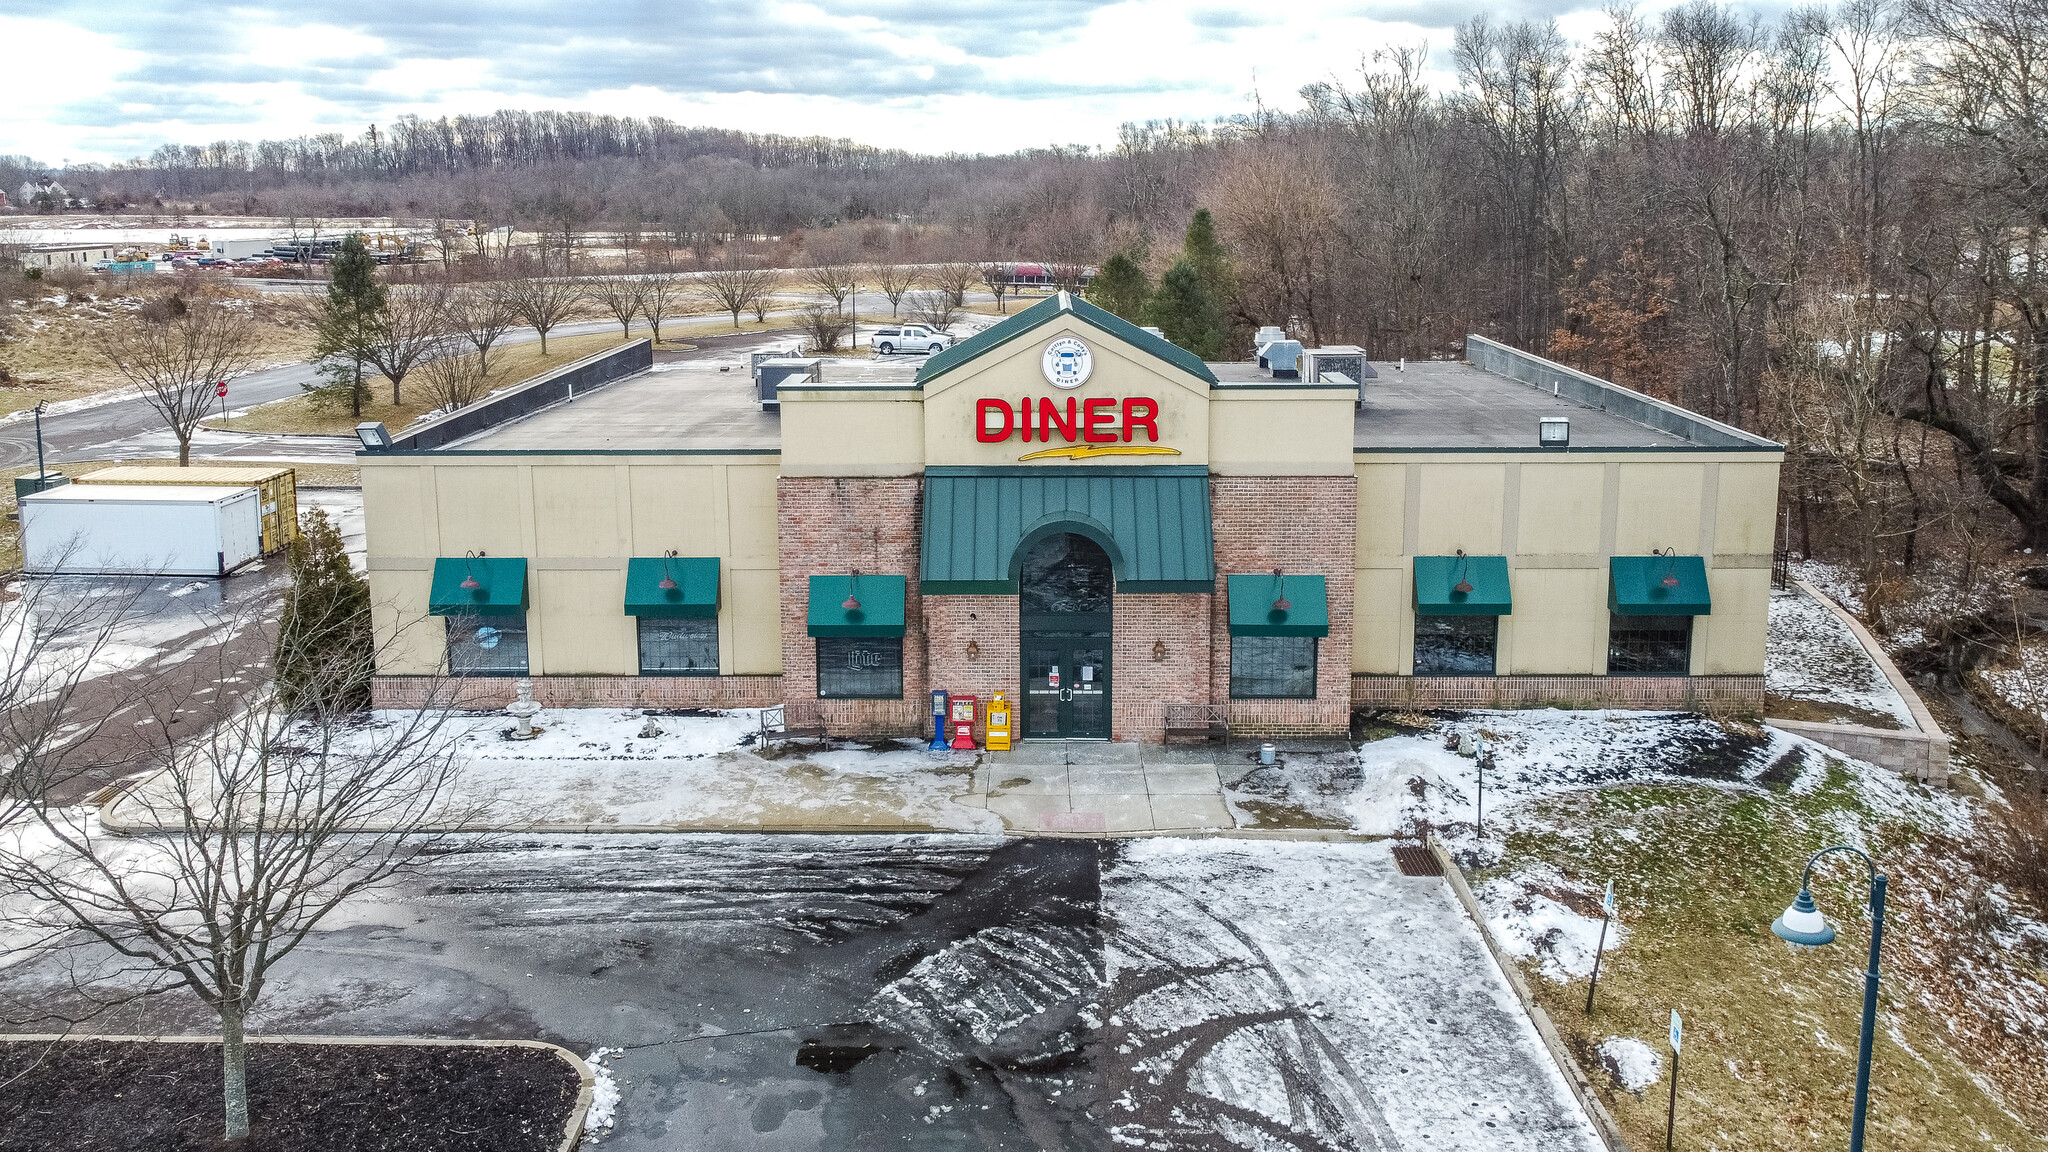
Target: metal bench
[[1198, 722], [783, 723]]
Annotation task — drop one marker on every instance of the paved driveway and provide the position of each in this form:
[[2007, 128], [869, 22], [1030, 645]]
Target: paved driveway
[[951, 992]]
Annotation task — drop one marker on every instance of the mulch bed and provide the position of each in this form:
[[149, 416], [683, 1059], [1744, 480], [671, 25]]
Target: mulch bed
[[104, 1096]]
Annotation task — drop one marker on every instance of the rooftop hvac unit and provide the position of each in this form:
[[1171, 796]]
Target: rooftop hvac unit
[[771, 375], [1283, 357], [1268, 335]]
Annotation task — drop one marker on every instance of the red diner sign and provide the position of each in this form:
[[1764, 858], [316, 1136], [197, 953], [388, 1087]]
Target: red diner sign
[[1096, 420]]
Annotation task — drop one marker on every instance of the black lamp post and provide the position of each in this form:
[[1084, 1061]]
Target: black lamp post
[[1802, 926], [42, 470]]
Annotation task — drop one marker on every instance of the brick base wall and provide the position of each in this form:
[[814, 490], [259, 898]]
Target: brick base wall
[[1303, 525], [1731, 693], [582, 691]]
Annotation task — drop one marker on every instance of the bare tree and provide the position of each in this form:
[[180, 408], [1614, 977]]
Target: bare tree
[[894, 280], [833, 281], [257, 830], [177, 352], [543, 302], [661, 296], [455, 380], [480, 314], [954, 280], [736, 284], [622, 296], [412, 328], [823, 327], [995, 276], [935, 308]]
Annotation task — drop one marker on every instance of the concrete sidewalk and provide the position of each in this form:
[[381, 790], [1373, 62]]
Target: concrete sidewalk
[[1092, 786]]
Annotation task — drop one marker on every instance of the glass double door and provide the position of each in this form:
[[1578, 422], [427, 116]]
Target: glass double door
[[1066, 686]]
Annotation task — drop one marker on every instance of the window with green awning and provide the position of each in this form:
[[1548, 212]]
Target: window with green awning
[[500, 586], [880, 610], [1255, 611], [694, 597], [1462, 586], [1658, 586]]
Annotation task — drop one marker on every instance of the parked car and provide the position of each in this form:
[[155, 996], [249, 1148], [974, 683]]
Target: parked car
[[916, 338]]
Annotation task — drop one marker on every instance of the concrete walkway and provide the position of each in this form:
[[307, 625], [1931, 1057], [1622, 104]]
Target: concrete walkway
[[1094, 786]]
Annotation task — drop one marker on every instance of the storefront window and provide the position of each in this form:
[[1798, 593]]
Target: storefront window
[[1649, 645], [487, 645], [1455, 645], [1272, 667], [678, 647], [860, 668]]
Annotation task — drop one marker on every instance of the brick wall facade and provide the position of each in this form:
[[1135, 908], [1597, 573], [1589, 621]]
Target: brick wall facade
[[582, 691], [1299, 524], [831, 526], [989, 623], [1141, 686]]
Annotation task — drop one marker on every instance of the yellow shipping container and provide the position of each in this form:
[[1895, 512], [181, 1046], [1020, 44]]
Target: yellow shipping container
[[278, 486]]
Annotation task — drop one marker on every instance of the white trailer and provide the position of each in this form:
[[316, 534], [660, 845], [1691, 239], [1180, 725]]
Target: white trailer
[[238, 247], [135, 529]]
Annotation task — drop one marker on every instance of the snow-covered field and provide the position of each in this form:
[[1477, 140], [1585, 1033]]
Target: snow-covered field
[[1813, 656]]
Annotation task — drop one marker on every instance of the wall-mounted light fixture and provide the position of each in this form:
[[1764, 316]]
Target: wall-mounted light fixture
[[1553, 432], [852, 601], [1158, 651], [973, 650], [469, 581], [1464, 584], [1670, 556], [668, 578], [1280, 603]]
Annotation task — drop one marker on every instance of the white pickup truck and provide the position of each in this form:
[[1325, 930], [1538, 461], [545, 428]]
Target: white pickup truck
[[918, 338]]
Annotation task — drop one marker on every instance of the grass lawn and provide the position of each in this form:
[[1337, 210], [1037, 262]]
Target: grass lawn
[[308, 476], [1770, 1061]]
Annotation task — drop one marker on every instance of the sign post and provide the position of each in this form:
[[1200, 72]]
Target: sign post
[[1606, 915], [221, 390], [1677, 1042]]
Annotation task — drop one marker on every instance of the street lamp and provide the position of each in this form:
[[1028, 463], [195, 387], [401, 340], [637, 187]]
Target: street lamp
[[1802, 926]]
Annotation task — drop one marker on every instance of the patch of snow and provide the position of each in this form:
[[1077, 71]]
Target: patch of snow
[[1633, 1064], [1813, 656], [1530, 925], [1834, 581], [604, 1097]]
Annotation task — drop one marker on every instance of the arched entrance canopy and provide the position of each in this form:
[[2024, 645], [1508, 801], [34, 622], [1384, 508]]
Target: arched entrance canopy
[[1152, 521]]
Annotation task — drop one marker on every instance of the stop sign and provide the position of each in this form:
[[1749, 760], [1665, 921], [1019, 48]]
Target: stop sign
[[221, 389]]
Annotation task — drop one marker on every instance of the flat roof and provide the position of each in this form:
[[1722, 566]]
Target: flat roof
[[139, 493], [1449, 405], [683, 405]]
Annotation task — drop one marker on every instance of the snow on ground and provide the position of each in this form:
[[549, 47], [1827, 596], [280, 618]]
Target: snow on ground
[[1813, 656], [1257, 989], [604, 1097], [63, 629], [1531, 925], [1412, 780], [2026, 686], [1633, 1064]]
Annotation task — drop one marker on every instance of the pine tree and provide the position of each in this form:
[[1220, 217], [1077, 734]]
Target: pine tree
[[1121, 288], [1205, 252], [1183, 309], [324, 641], [348, 322]]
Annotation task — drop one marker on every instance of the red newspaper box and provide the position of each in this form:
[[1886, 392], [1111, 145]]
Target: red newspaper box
[[961, 718]]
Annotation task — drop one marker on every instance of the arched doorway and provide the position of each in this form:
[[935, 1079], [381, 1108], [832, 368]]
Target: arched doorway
[[1064, 592]]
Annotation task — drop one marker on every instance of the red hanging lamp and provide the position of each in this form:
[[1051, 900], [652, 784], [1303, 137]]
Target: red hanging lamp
[[1280, 603], [668, 579], [1464, 584], [469, 580], [1670, 567], [852, 601]]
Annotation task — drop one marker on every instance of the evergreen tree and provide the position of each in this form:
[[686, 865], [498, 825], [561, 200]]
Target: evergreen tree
[[1183, 309], [349, 322], [324, 641], [1205, 252], [1121, 288]]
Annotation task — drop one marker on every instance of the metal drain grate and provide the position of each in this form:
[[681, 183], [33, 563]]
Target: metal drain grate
[[1415, 860]]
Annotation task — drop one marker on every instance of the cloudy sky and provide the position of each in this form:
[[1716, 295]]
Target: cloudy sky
[[104, 80]]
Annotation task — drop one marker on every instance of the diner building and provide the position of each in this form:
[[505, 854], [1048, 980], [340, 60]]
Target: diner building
[[1072, 511]]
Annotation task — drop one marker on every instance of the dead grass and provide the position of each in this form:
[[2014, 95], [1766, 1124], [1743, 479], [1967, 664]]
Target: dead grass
[[1771, 1037], [308, 476], [50, 355]]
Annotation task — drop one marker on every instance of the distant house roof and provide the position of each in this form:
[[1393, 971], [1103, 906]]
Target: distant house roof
[[1043, 313]]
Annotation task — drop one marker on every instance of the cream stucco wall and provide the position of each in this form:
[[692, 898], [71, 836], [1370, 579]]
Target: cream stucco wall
[[1558, 520], [576, 519]]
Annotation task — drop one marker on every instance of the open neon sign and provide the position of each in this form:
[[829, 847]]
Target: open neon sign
[[1096, 420]]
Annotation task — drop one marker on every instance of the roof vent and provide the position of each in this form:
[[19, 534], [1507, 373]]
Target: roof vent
[[1553, 432], [1283, 357]]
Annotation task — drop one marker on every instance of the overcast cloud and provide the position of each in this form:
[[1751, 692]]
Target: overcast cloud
[[96, 80]]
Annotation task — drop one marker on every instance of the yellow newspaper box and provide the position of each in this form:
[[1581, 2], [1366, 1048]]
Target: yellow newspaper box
[[998, 724]]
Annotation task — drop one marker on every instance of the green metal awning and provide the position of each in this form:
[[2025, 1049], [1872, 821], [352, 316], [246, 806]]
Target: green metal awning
[[500, 590], [880, 612], [1636, 586], [1153, 522], [695, 595], [1252, 612], [1437, 579]]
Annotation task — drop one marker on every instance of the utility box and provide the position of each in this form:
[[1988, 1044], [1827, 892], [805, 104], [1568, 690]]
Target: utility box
[[32, 483], [170, 530], [278, 487], [770, 375]]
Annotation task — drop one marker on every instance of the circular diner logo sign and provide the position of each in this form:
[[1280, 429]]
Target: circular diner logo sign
[[1067, 363]]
